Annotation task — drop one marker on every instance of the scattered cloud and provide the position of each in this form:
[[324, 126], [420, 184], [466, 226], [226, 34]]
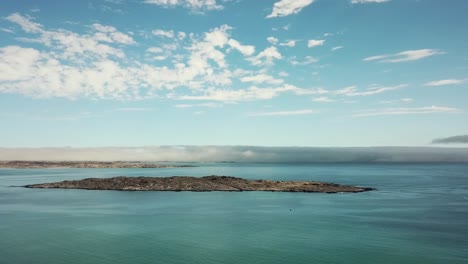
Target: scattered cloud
[[337, 48], [261, 78], [307, 60], [163, 33], [445, 82], [196, 6], [134, 109], [25, 23], [246, 50], [409, 111], [404, 56], [285, 113], [315, 42], [283, 74], [462, 139], [7, 30], [402, 100], [94, 64], [290, 43], [210, 105], [368, 1], [250, 94], [288, 7], [155, 50], [353, 91], [311, 91], [272, 40], [323, 99], [111, 35], [266, 57]]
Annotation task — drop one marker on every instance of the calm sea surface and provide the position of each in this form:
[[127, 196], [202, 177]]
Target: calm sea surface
[[418, 215]]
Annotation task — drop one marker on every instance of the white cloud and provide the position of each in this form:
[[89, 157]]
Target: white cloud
[[170, 46], [159, 58], [323, 99], [272, 40], [249, 94], [337, 48], [307, 60], [315, 42], [95, 65], [25, 23], [285, 113], [409, 111], [210, 105], [197, 6], [155, 50], [30, 72], [7, 30], [402, 100], [181, 35], [266, 57], [163, 33], [311, 91], [112, 35], [134, 109], [290, 43], [368, 1], [261, 78], [409, 55], [283, 74], [246, 50], [79, 47], [353, 91], [445, 82], [288, 7]]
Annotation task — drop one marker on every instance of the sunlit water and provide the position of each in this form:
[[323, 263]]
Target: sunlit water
[[418, 215]]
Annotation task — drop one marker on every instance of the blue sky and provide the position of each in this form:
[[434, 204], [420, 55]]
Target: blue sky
[[212, 72]]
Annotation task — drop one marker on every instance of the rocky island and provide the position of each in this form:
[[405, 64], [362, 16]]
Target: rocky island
[[21, 164], [199, 184]]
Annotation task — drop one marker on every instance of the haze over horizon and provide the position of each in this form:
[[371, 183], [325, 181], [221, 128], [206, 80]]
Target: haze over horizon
[[318, 73], [239, 154]]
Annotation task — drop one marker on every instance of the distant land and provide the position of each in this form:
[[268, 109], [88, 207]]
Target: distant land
[[196, 184], [18, 164]]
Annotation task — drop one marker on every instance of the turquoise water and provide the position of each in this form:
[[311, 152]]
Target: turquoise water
[[418, 215]]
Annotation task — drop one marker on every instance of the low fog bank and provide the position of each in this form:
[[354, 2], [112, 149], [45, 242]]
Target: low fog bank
[[463, 139], [240, 154]]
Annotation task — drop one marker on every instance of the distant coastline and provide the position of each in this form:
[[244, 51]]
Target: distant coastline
[[18, 164], [199, 184]]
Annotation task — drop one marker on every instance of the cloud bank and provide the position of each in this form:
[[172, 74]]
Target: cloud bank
[[463, 139], [241, 154]]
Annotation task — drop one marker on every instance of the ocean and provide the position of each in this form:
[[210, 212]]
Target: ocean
[[418, 214]]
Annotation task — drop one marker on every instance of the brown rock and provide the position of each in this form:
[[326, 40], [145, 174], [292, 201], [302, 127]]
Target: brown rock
[[196, 184]]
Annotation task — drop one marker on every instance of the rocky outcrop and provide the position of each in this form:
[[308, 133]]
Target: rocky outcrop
[[196, 184], [20, 164]]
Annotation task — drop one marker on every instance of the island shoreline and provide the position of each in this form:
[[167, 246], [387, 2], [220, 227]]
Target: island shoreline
[[199, 184]]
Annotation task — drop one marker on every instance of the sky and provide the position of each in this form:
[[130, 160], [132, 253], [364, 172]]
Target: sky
[[322, 73]]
